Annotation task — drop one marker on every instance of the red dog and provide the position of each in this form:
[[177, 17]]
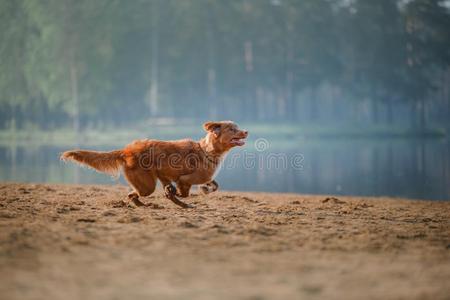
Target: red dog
[[184, 162]]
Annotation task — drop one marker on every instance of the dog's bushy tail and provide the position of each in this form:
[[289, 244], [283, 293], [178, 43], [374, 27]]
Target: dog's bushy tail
[[106, 162]]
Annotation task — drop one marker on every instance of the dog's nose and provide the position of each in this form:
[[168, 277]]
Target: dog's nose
[[245, 132]]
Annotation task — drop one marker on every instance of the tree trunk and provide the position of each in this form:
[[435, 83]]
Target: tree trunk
[[375, 112], [413, 115], [314, 110], [212, 90], [422, 120], [153, 99], [72, 44], [248, 59], [446, 92], [74, 94], [390, 112], [289, 76]]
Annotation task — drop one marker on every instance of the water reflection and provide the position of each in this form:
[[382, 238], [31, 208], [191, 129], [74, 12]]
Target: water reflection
[[404, 168]]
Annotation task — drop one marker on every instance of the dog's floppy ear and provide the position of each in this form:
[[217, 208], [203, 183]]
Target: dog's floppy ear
[[213, 127]]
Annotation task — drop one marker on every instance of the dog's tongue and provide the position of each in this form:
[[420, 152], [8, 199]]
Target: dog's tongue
[[238, 142]]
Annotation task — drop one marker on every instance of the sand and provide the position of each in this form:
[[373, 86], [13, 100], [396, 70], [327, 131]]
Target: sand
[[79, 242]]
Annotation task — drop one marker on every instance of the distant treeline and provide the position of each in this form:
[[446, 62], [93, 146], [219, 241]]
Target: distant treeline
[[88, 63]]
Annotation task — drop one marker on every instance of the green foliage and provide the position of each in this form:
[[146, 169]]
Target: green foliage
[[69, 32], [242, 59], [14, 27]]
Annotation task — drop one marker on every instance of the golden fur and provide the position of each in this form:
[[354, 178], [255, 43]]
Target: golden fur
[[184, 162]]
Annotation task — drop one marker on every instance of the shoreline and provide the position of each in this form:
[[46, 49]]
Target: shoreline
[[111, 136], [62, 241], [196, 192]]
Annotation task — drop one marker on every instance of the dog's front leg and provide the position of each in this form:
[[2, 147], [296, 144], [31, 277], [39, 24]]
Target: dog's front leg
[[133, 196], [209, 187], [170, 192], [183, 189]]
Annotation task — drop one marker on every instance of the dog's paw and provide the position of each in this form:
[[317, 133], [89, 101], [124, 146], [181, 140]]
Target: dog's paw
[[204, 189], [209, 187], [132, 195], [214, 185], [170, 190]]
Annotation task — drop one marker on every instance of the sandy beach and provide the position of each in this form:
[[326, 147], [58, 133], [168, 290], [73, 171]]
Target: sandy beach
[[80, 242]]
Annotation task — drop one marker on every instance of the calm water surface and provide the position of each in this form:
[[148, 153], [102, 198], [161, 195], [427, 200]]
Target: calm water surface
[[411, 168]]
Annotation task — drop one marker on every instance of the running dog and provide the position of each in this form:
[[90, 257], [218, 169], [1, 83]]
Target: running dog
[[184, 162]]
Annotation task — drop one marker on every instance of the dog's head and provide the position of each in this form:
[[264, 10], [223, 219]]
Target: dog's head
[[225, 135]]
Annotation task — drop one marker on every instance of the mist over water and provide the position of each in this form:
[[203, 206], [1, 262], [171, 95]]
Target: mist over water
[[413, 168]]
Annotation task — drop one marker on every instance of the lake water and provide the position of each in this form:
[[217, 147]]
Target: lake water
[[413, 168]]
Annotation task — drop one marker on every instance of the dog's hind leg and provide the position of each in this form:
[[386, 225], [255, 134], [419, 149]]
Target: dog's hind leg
[[134, 197], [183, 189], [209, 187], [171, 193], [143, 182]]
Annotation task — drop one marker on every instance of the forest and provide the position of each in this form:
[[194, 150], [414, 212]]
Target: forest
[[83, 63]]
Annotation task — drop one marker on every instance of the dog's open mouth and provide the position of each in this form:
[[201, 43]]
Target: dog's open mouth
[[237, 141]]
